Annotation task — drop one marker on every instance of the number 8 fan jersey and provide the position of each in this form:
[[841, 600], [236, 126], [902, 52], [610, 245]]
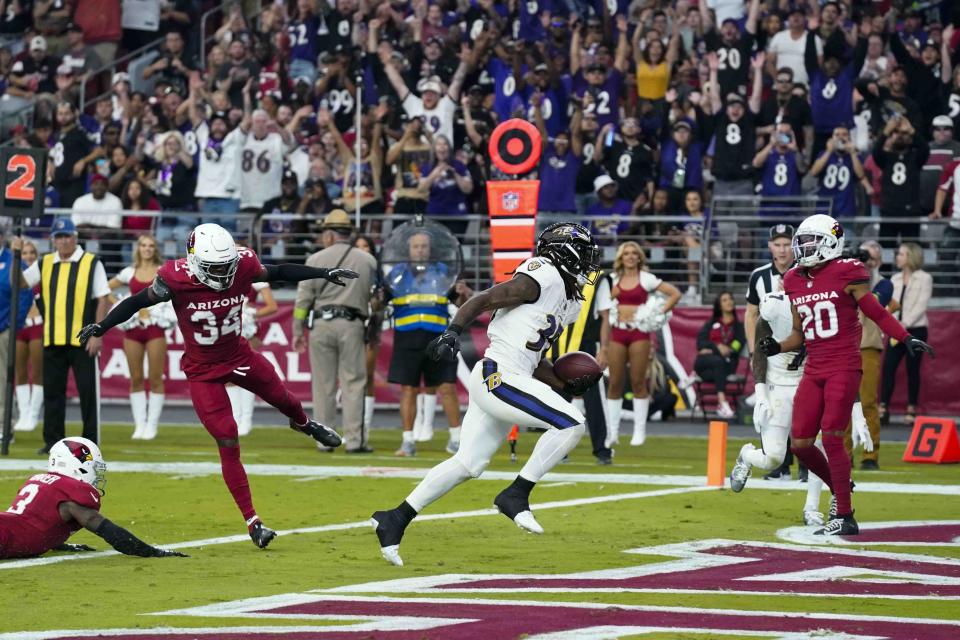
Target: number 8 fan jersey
[[829, 316], [209, 320]]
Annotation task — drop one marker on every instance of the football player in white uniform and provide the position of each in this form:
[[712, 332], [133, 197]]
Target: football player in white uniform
[[512, 384], [777, 378]]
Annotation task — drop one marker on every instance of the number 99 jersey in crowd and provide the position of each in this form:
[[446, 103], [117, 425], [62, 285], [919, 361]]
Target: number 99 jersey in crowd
[[828, 314], [520, 335], [209, 320]]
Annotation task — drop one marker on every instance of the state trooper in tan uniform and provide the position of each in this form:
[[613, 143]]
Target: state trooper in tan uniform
[[335, 319]]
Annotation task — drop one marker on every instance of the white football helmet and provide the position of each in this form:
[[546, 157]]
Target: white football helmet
[[212, 256], [818, 239], [81, 459]]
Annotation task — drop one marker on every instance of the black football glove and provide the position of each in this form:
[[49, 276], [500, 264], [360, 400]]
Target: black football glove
[[164, 553], [90, 331], [335, 275], [446, 346], [73, 548], [769, 346], [579, 386], [916, 346]]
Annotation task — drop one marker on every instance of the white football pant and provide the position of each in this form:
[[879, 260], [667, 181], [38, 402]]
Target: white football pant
[[498, 400], [776, 431]]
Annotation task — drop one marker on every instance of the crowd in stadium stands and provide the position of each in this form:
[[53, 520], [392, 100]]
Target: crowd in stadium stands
[[646, 106]]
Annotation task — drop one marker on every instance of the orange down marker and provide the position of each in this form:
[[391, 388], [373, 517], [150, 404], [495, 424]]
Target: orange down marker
[[717, 453]]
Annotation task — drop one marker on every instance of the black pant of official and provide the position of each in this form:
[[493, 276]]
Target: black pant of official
[[57, 363], [596, 419]]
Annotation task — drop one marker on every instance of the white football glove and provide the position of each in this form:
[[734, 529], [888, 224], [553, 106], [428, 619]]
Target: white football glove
[[762, 411], [860, 432]]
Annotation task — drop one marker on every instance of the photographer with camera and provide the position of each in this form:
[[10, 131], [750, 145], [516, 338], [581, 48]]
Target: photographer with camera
[[780, 164], [836, 169], [172, 66]]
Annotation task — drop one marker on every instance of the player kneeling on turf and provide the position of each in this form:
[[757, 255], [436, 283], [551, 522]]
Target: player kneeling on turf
[[52, 506], [512, 384], [207, 289]]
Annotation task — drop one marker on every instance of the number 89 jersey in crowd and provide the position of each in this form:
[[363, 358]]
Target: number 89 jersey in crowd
[[828, 315], [520, 335], [209, 320]]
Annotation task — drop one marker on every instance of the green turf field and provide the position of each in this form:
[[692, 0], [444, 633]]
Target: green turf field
[[169, 492]]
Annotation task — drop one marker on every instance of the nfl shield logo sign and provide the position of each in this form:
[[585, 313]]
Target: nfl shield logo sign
[[510, 201]]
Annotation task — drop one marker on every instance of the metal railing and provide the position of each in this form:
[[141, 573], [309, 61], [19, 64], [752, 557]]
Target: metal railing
[[709, 255]]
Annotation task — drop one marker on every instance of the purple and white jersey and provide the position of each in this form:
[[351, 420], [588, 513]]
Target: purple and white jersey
[[606, 97]]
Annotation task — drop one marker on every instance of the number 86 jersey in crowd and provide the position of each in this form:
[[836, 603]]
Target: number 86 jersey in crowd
[[209, 320], [520, 335], [828, 314]]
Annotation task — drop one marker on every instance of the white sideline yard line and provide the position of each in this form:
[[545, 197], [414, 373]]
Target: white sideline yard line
[[303, 471], [363, 524]]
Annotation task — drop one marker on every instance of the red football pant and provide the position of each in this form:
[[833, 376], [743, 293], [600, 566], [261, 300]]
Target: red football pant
[[212, 405], [823, 403]]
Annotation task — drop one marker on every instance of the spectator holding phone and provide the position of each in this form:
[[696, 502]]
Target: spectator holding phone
[[838, 170]]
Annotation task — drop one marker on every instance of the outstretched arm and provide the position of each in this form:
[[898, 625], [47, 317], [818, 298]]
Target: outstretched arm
[[157, 292], [522, 289], [871, 308], [296, 272], [117, 537]]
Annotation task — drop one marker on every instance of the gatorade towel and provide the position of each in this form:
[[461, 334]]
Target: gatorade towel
[[513, 221]]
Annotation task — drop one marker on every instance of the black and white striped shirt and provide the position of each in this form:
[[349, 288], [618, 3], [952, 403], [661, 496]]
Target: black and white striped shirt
[[764, 280]]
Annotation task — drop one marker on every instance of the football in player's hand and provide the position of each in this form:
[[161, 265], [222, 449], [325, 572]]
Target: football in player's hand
[[576, 364]]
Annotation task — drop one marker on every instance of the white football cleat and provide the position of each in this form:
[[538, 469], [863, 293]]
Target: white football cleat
[[812, 518], [392, 555], [527, 522], [741, 470]]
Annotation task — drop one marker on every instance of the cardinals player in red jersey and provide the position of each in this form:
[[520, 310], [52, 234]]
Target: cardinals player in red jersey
[[825, 292], [207, 289], [52, 506]]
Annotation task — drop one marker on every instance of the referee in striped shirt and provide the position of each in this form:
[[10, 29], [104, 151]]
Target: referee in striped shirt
[[74, 293], [763, 280]]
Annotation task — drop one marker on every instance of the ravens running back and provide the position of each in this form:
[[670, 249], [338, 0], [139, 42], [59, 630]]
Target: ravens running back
[[512, 384]]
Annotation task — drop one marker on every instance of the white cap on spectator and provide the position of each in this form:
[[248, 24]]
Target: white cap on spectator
[[120, 76], [38, 43], [602, 181], [432, 85], [943, 121], [65, 70]]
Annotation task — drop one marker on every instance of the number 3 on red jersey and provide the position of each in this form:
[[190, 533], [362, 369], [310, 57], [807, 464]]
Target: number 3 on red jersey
[[819, 320]]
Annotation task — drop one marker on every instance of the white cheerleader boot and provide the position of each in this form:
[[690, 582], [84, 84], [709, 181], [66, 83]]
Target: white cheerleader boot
[[245, 423], [154, 409], [640, 409], [138, 406], [614, 407], [23, 409]]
